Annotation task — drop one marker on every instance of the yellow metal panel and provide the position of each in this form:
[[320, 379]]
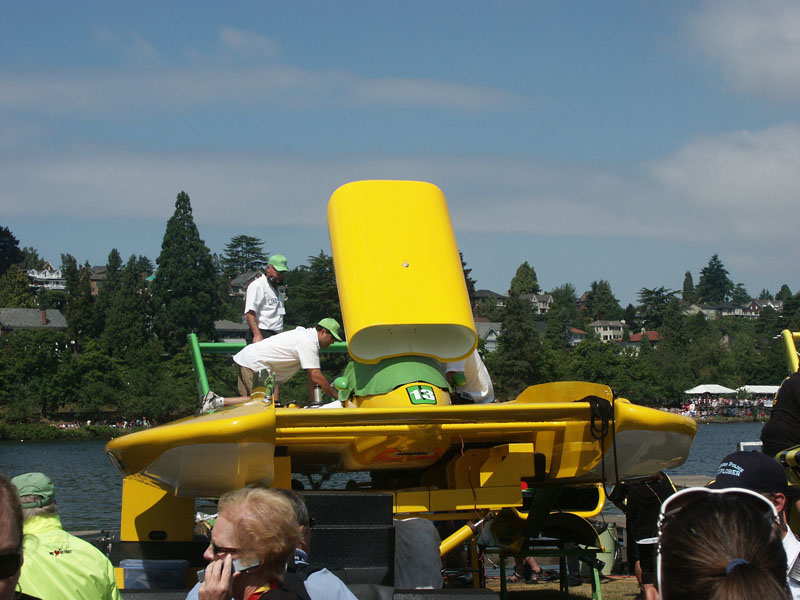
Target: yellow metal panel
[[398, 270], [147, 509]]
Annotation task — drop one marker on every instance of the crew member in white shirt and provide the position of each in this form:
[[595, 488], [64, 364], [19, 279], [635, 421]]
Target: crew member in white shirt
[[264, 307]]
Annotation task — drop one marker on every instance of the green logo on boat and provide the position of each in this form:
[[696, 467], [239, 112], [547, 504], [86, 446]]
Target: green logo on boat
[[421, 394]]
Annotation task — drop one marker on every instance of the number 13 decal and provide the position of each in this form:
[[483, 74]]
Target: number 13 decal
[[421, 394]]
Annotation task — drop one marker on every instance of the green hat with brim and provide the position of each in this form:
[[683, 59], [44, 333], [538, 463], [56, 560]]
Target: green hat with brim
[[34, 484], [278, 262], [333, 326]]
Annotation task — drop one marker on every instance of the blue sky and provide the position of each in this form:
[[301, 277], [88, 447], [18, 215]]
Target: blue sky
[[626, 141]]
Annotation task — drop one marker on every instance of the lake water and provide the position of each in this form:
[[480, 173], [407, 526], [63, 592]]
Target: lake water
[[89, 489]]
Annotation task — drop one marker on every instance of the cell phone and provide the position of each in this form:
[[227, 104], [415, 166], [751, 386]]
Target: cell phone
[[238, 564]]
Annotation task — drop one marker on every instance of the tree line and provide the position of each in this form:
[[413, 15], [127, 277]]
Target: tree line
[[124, 352]]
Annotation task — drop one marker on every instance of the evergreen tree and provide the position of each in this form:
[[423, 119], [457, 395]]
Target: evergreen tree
[[688, 294], [739, 294], [565, 300], [765, 295], [15, 290], [243, 253], [784, 293], [630, 318], [80, 311], [31, 259], [312, 292], [128, 325], [714, 286], [145, 265], [653, 305], [69, 271], [185, 290], [519, 360], [10, 254], [524, 281], [109, 289], [602, 304], [470, 282]]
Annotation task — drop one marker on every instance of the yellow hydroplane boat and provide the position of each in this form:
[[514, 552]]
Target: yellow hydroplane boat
[[405, 309]]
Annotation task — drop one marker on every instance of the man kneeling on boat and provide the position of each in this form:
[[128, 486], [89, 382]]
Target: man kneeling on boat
[[282, 355]]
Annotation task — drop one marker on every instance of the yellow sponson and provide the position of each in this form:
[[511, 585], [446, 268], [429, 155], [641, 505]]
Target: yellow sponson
[[399, 273]]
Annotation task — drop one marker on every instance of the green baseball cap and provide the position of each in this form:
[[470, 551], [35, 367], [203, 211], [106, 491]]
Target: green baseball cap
[[333, 326], [34, 484], [278, 262]]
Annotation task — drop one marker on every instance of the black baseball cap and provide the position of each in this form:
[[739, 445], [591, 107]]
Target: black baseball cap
[[753, 471]]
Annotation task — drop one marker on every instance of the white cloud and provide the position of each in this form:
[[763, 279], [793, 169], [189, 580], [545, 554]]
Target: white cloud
[[757, 42], [248, 44], [741, 187], [131, 45]]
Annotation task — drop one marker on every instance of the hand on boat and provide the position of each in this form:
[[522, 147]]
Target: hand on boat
[[218, 583]]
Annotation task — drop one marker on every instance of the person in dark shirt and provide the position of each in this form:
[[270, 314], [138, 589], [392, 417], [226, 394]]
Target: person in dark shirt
[[783, 428], [641, 501]]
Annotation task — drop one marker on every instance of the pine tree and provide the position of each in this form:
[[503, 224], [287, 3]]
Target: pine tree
[[714, 286], [688, 288], [468, 280], [602, 304], [520, 360], [10, 254], [524, 280], [185, 290], [15, 291], [128, 323], [79, 311], [110, 287], [243, 253]]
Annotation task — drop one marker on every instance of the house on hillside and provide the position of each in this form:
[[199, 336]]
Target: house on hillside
[[488, 332], [756, 306], [46, 278], [708, 311], [482, 295], [230, 331], [575, 336], [238, 285], [540, 302], [20, 319], [608, 331], [731, 309]]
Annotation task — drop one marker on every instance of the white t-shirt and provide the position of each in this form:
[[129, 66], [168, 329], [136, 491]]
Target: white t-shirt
[[267, 304], [479, 384], [792, 548], [285, 353]]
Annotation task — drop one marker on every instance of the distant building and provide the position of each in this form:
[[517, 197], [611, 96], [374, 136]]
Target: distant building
[[575, 336], [756, 306], [46, 278], [609, 331], [488, 332], [540, 302], [230, 331], [238, 285], [498, 299], [20, 319], [708, 311]]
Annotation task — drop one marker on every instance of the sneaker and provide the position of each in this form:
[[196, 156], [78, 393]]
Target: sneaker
[[211, 401]]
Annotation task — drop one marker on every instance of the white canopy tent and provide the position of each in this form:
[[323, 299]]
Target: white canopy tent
[[761, 390], [709, 388]]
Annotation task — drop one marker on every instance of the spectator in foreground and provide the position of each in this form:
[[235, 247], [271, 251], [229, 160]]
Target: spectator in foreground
[[720, 544], [758, 472], [10, 542], [58, 564], [257, 528]]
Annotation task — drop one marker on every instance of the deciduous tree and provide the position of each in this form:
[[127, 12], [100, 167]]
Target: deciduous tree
[[15, 291]]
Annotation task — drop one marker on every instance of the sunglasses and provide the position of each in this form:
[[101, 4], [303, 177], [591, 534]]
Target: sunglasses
[[679, 500], [10, 563], [222, 549]]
